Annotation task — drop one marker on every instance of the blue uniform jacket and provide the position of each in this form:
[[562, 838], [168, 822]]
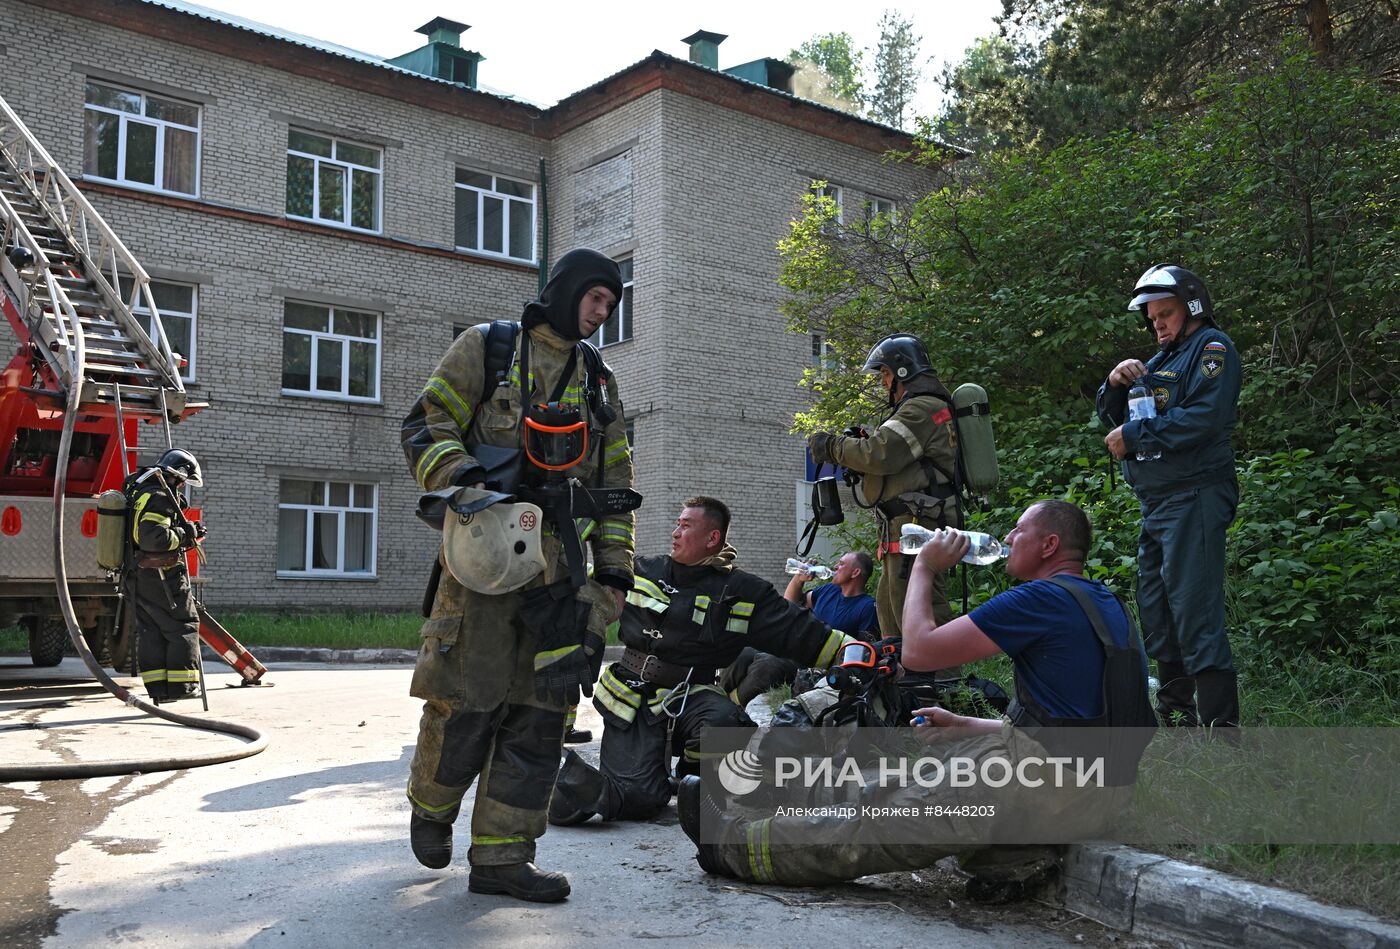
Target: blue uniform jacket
[[1196, 386]]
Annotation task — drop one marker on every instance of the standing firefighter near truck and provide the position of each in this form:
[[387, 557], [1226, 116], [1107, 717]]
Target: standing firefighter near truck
[[908, 467], [1182, 467], [524, 413], [167, 624]]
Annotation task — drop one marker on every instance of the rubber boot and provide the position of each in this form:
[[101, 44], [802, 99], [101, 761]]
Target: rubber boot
[[577, 736], [431, 840], [695, 807], [1218, 695], [577, 791], [1176, 696], [524, 881]]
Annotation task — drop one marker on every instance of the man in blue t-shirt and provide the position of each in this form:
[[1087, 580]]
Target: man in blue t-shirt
[[1059, 666], [843, 603]]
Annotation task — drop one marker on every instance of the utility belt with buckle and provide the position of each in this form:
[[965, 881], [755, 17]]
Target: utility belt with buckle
[[651, 668], [917, 503]]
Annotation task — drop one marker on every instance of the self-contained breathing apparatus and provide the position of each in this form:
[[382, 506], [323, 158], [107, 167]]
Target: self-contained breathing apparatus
[[527, 487]]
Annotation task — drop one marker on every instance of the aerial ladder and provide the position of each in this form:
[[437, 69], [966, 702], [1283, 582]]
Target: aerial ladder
[[86, 373]]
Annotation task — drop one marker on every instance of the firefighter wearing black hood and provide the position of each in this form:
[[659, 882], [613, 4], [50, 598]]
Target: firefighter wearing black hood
[[1182, 467], [907, 467], [496, 676]]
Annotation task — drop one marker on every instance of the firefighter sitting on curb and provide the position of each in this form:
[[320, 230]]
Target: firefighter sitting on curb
[[1078, 661], [516, 624], [167, 625], [907, 465], [687, 617]]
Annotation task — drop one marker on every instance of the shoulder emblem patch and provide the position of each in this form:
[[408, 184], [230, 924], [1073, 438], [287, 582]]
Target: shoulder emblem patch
[[941, 416], [1160, 397], [1212, 362]]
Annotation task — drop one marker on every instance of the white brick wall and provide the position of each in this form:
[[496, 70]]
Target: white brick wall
[[698, 194]]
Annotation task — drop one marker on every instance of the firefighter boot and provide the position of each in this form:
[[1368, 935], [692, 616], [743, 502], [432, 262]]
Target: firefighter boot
[[1219, 698], [524, 881], [577, 791], [695, 807], [431, 840], [577, 736], [1176, 696]]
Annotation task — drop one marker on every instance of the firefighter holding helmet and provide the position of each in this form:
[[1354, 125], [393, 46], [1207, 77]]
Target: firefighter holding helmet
[[907, 467], [167, 624], [517, 427]]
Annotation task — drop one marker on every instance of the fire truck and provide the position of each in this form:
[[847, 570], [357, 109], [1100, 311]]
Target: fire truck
[[80, 313]]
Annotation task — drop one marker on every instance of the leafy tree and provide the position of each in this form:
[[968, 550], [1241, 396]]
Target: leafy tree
[[830, 71], [1280, 189], [1086, 67], [896, 70]]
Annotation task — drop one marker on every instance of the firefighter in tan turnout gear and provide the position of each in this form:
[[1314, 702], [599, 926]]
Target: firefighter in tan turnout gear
[[167, 624], [501, 661], [907, 466]]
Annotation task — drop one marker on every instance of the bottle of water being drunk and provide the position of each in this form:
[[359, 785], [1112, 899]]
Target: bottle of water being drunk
[[818, 571], [985, 548], [1142, 405]]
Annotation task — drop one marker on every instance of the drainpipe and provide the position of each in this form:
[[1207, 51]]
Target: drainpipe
[[544, 227]]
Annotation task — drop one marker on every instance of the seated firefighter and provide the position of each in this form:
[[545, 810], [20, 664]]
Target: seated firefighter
[[167, 621], [1078, 661], [688, 616]]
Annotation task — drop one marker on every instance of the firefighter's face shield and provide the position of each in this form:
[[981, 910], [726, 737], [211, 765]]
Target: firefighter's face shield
[[556, 436]]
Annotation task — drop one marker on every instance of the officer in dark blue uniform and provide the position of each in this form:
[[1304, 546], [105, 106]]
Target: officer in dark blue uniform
[[1188, 491]]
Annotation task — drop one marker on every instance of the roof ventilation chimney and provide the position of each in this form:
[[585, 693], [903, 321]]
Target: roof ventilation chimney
[[704, 47], [443, 57]]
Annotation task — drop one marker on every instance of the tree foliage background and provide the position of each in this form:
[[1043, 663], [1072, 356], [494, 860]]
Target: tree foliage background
[[1261, 157]]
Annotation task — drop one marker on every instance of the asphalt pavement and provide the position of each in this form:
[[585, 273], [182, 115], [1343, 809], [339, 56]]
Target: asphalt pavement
[[306, 843]]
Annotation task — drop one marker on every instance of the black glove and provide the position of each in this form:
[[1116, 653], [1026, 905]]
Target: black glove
[[819, 445], [199, 529], [559, 621]]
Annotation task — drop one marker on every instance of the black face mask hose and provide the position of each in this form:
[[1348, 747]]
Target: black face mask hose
[[58, 770]]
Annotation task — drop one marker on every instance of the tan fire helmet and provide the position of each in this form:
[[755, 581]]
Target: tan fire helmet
[[495, 549]]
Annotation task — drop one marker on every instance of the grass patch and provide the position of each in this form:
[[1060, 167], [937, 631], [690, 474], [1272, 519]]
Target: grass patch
[[13, 639], [325, 630]]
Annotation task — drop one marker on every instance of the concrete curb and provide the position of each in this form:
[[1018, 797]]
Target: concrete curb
[[1151, 895]]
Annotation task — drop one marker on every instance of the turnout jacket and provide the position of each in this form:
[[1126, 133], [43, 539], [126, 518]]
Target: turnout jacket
[[155, 526], [915, 449], [450, 414], [1195, 385], [704, 615]]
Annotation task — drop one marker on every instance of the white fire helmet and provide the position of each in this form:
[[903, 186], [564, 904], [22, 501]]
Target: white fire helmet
[[495, 550]]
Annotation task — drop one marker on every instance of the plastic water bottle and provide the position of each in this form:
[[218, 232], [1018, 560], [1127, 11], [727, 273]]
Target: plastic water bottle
[[818, 571], [1142, 405], [985, 548]]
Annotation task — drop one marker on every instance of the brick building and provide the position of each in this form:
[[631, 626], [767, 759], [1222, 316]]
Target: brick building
[[321, 222]]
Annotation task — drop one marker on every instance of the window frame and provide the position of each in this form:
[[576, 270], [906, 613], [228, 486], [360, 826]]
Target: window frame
[[350, 167], [481, 196], [832, 191], [622, 317], [341, 511], [876, 205], [345, 339], [124, 118], [188, 374]]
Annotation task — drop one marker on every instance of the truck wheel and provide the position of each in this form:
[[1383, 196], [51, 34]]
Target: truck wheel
[[48, 639]]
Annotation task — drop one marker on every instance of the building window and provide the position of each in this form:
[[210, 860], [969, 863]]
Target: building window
[[326, 528], [823, 189], [140, 140], [618, 328], [333, 181], [330, 352], [876, 207], [178, 305], [495, 215]]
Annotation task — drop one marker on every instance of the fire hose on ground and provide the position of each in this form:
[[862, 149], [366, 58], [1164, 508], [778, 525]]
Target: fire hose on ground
[[56, 770]]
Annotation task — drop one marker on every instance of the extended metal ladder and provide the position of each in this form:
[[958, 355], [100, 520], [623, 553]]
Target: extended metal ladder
[[64, 268]]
